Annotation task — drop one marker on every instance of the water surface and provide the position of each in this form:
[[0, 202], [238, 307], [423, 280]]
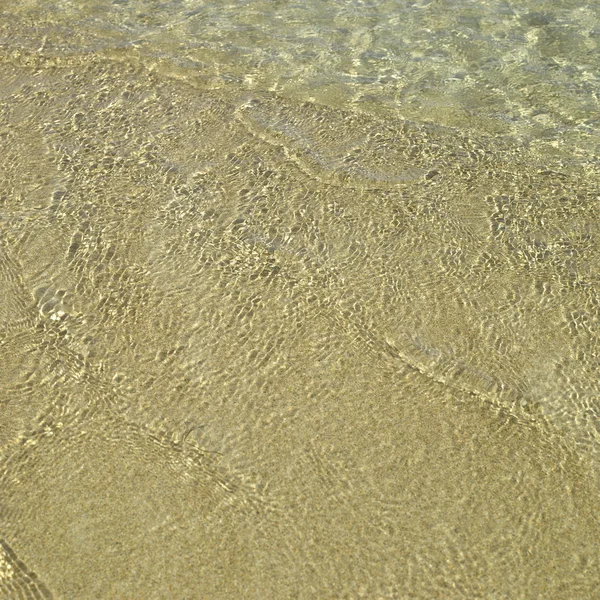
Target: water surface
[[299, 300]]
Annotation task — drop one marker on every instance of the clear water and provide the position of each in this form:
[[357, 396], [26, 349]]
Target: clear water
[[299, 300]]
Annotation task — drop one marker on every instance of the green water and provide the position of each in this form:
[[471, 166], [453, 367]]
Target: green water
[[299, 300]]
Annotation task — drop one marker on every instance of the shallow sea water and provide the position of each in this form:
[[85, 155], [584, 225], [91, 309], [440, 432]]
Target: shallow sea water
[[300, 299]]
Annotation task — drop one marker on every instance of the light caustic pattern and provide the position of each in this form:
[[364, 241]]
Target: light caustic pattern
[[254, 347]]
